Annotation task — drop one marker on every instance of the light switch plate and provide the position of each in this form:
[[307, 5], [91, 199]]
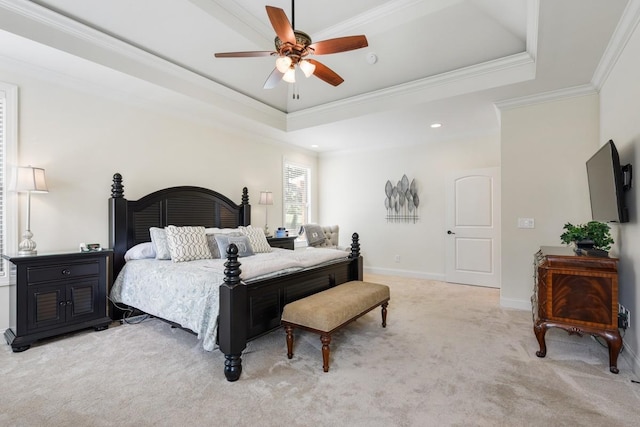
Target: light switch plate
[[526, 223]]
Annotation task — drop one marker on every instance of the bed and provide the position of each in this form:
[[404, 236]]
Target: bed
[[246, 309]]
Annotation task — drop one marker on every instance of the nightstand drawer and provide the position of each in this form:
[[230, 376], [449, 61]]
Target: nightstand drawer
[[63, 271]]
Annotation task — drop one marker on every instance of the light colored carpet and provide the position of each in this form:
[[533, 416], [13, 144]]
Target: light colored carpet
[[450, 356]]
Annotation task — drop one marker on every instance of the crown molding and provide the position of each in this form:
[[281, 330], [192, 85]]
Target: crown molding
[[512, 69], [621, 35], [550, 96], [37, 23]]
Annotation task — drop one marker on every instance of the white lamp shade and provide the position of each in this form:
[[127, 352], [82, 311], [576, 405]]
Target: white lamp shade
[[29, 179], [266, 198], [290, 75], [307, 67], [283, 63]]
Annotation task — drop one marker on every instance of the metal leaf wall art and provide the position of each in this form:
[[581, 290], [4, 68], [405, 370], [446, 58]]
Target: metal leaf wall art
[[402, 201]]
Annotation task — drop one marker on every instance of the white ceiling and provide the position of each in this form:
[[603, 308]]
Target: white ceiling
[[444, 61]]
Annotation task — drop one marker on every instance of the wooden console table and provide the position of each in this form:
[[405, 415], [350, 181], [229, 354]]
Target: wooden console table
[[577, 293]]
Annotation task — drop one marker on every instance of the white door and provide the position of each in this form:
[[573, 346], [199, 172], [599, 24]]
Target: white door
[[473, 227]]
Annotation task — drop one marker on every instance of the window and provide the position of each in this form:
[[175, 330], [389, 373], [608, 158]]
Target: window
[[296, 190], [8, 157]]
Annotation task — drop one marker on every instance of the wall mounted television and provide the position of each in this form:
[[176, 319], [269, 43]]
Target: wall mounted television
[[608, 182]]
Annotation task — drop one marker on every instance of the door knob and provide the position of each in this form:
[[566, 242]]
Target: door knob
[[450, 232]]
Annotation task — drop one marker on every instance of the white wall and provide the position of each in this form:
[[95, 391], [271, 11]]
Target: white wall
[[619, 106], [82, 139], [352, 194], [544, 150]]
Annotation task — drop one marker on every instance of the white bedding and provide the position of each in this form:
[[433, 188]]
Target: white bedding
[[187, 292]]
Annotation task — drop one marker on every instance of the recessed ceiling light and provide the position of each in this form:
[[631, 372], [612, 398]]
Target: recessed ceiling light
[[314, 146], [436, 125]]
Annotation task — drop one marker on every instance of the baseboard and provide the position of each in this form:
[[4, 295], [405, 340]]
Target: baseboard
[[404, 273], [515, 303]]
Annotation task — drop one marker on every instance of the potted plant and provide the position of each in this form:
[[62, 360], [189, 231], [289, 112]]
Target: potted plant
[[593, 234]]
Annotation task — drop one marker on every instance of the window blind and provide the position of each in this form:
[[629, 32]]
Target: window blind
[[296, 190], [3, 183]]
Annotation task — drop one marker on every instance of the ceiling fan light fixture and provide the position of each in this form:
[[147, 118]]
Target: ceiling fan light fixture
[[307, 68], [290, 75], [283, 63]]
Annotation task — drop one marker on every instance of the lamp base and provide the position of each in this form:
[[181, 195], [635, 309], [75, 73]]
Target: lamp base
[[27, 246]]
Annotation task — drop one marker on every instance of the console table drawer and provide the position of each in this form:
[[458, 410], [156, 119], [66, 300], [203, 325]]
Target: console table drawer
[[59, 272]]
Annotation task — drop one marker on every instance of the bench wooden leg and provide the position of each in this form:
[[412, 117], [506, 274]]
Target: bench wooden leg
[[289, 330], [384, 314], [326, 340]]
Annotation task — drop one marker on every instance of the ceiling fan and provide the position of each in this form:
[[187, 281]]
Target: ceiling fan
[[293, 48]]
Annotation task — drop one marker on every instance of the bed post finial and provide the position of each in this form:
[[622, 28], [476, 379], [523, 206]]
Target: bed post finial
[[117, 189], [355, 246], [232, 323], [245, 196]]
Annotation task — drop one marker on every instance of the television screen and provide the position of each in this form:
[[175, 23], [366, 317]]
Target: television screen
[[606, 186]]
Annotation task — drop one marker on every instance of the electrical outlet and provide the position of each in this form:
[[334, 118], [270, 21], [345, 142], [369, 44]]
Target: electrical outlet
[[624, 317], [397, 258]]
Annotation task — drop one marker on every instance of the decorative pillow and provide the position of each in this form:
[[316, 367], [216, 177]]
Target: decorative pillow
[[140, 251], [257, 239], [216, 230], [159, 241], [213, 245], [242, 242], [187, 243], [314, 233]]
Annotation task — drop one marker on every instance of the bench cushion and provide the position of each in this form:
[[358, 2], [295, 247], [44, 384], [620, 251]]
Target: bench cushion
[[329, 309]]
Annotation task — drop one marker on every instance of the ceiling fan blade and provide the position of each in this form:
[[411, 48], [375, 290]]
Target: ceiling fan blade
[[281, 24], [248, 54], [325, 73], [340, 44], [273, 79]]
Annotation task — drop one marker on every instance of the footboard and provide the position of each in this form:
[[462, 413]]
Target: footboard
[[248, 311]]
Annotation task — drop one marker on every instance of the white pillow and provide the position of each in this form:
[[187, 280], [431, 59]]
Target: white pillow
[[187, 243], [160, 245], [257, 239], [140, 251]]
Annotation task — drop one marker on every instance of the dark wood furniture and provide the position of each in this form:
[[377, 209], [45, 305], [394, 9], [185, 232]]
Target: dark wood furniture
[[57, 294], [245, 311], [579, 294], [328, 311], [282, 242]]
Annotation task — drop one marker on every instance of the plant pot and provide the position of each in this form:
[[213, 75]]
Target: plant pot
[[585, 244]]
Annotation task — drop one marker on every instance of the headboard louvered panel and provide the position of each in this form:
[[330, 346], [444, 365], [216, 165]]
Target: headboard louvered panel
[[144, 219], [191, 210]]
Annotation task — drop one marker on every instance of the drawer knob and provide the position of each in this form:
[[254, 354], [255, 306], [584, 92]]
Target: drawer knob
[[62, 303], [66, 272]]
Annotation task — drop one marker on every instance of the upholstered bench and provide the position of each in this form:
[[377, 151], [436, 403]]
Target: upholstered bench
[[327, 311]]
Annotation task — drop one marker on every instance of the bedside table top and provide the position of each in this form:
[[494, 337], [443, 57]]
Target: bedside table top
[[14, 257]]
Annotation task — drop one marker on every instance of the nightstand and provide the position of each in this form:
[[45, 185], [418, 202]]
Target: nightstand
[[56, 294], [282, 242]]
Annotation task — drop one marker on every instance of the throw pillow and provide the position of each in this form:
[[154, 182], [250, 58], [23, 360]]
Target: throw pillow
[[159, 241], [257, 239], [314, 233], [242, 242], [187, 243]]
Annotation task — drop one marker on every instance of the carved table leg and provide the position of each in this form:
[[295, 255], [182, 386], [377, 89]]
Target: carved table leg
[[614, 341], [384, 314], [540, 330], [232, 366], [289, 331], [326, 340]]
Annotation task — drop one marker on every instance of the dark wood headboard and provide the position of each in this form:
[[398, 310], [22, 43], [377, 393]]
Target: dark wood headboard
[[129, 220]]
